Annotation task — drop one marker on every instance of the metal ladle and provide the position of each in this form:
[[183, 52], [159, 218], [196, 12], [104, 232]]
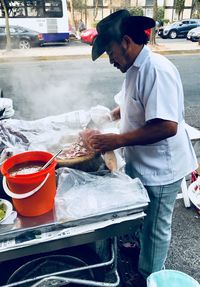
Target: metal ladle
[[50, 161]]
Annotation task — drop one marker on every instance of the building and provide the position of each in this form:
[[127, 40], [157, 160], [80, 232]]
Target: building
[[92, 13]]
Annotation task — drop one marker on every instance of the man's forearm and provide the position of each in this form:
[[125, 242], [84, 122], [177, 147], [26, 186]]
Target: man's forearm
[[152, 132], [149, 134]]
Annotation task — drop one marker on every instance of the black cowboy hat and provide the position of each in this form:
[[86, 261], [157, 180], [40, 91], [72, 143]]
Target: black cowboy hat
[[110, 28]]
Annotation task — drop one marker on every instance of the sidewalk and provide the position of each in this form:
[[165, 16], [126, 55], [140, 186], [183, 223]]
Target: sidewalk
[[77, 49]]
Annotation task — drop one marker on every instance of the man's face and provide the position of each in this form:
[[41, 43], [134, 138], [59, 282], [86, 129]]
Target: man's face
[[118, 56]]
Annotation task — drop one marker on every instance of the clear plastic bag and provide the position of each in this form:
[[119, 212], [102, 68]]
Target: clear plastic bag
[[50, 133], [100, 115], [6, 108], [81, 194]]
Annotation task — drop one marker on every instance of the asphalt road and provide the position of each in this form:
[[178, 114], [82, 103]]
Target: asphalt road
[[46, 88], [41, 89]]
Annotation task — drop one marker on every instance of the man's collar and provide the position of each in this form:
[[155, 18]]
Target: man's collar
[[141, 56]]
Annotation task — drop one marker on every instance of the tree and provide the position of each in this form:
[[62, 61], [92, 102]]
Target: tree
[[96, 8], [77, 5], [153, 30], [110, 6], [5, 9], [196, 9], [136, 11], [71, 9], [179, 7], [160, 14]]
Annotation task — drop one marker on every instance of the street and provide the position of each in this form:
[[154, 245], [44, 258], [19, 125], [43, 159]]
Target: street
[[41, 89]]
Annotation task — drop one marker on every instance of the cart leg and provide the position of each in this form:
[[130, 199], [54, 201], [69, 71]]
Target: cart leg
[[185, 193]]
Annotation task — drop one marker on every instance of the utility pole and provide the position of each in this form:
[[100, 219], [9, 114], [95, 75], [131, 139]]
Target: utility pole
[[8, 38]]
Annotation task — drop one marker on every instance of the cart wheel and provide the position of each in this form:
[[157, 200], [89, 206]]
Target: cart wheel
[[50, 264], [89, 256]]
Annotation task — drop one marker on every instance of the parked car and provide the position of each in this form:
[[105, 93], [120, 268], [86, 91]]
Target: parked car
[[88, 36], [194, 35], [178, 29], [21, 37]]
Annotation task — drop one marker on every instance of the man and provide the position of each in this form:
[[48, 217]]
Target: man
[[81, 26], [156, 146]]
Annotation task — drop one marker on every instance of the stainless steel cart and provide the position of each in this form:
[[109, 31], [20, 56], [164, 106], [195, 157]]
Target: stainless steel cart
[[42, 234]]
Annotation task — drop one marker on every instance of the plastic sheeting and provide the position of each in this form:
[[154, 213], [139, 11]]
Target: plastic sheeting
[[51, 133], [81, 194], [6, 108]]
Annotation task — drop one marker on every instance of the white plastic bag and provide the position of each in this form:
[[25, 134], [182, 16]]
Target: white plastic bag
[[100, 115], [6, 108], [80, 194]]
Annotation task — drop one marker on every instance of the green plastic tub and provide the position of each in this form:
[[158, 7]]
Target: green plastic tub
[[172, 278]]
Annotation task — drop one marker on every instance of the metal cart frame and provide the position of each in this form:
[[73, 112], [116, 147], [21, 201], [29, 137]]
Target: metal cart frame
[[73, 234]]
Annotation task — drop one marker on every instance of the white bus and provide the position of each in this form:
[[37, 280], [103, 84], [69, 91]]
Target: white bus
[[48, 17]]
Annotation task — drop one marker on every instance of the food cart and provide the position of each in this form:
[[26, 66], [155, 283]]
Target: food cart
[[55, 236], [103, 205]]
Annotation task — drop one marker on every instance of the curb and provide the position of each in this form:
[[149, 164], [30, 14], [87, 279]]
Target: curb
[[12, 59], [170, 52], [41, 58]]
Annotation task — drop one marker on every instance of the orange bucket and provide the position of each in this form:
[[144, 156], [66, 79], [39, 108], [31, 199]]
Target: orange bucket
[[32, 194]]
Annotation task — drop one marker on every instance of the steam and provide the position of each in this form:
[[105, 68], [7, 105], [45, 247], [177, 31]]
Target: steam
[[40, 89]]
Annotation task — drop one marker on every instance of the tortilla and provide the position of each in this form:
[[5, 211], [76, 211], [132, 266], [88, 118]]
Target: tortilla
[[69, 162]]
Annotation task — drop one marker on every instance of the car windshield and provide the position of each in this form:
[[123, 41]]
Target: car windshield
[[176, 23], [21, 29]]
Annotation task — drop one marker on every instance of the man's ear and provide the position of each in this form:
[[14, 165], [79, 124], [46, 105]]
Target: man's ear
[[126, 41]]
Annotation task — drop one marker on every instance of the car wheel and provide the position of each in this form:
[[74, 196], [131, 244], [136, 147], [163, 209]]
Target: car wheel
[[173, 34], [24, 44]]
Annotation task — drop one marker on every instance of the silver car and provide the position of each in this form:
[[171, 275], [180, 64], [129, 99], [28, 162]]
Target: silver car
[[194, 35]]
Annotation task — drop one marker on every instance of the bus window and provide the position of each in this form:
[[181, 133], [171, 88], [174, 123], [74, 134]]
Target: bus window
[[16, 9], [53, 8], [20, 12], [31, 10], [35, 8]]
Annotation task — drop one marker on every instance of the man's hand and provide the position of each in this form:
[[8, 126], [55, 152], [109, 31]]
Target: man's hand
[[115, 114], [104, 142], [86, 134]]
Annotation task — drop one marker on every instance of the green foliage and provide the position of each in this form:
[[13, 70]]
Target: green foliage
[[78, 4], [136, 11], [196, 15], [179, 6], [196, 9], [94, 24], [160, 14], [166, 21]]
